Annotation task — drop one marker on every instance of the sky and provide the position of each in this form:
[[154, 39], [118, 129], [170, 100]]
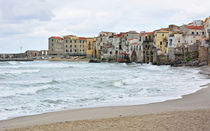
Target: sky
[[29, 23]]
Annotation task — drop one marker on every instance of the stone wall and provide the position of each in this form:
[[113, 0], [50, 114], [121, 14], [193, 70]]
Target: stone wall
[[203, 55]]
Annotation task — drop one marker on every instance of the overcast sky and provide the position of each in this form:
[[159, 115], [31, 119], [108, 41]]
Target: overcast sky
[[29, 23]]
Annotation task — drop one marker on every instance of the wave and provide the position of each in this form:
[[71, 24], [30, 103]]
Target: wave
[[24, 91], [29, 83], [12, 62], [19, 71], [59, 101]]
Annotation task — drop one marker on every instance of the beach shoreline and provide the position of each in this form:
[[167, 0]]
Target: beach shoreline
[[194, 102]]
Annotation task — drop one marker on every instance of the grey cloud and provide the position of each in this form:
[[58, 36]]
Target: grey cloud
[[36, 20], [20, 10]]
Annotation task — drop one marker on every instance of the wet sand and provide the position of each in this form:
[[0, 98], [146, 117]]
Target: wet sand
[[192, 112]]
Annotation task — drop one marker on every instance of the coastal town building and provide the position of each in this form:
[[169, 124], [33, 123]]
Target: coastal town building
[[123, 48], [171, 49], [135, 50], [90, 47], [174, 44], [103, 44], [161, 41], [149, 49], [193, 34], [75, 46], [33, 53], [55, 45]]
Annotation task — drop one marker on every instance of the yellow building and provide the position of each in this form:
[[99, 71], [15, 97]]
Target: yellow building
[[90, 47], [161, 41], [75, 46]]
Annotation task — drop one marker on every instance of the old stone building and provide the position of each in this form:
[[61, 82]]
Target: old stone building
[[75, 46], [171, 52], [149, 49], [33, 53], [193, 34], [161, 41], [90, 47], [135, 50], [55, 45], [69, 46], [103, 44]]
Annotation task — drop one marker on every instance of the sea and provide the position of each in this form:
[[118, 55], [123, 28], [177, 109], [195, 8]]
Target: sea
[[36, 87]]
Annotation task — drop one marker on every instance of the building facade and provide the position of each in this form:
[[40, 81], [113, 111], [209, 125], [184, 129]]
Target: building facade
[[161, 41]]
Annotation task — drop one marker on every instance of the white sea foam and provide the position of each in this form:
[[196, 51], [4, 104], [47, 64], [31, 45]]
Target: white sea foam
[[19, 71], [38, 87]]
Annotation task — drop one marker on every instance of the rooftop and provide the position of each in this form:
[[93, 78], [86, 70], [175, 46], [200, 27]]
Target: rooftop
[[147, 33], [57, 37], [194, 27]]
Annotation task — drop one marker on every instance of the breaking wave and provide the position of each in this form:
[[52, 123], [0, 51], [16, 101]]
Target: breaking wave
[[42, 86]]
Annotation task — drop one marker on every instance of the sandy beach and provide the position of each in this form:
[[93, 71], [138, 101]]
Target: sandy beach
[[192, 112]]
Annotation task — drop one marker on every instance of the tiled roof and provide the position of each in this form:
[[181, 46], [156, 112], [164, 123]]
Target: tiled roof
[[57, 37], [195, 27], [147, 33], [119, 35], [134, 43], [82, 38]]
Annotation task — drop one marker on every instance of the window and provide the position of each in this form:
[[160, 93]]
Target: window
[[52, 40], [66, 46], [161, 43], [52, 44], [66, 41], [203, 33], [75, 41], [110, 52], [70, 41], [75, 46], [70, 45], [80, 46], [162, 34], [80, 50], [70, 50], [170, 42], [89, 46], [192, 33], [83, 50], [75, 50], [67, 51], [197, 33], [120, 47]]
